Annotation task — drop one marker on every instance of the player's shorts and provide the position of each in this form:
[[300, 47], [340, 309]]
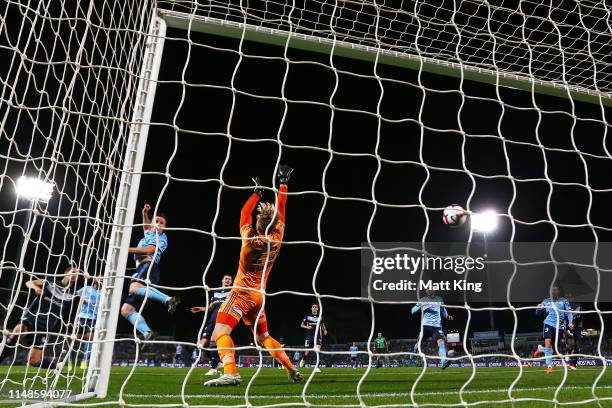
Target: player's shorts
[[210, 323], [39, 323], [139, 276], [309, 341], [574, 334], [435, 333], [380, 350], [243, 305], [550, 332]]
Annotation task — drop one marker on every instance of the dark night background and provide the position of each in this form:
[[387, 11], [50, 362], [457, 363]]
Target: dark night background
[[202, 178], [201, 150]]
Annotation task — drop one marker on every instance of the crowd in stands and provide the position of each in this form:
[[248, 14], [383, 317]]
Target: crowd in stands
[[335, 354]]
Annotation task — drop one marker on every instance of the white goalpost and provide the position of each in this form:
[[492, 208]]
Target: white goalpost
[[78, 93], [117, 258]]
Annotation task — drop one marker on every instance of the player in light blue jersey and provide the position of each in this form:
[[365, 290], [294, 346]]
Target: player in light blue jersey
[[556, 310], [90, 296], [147, 255], [354, 350], [433, 311]]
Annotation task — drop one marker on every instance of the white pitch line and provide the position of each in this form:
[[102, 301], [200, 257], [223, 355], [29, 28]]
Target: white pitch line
[[370, 395], [461, 370]]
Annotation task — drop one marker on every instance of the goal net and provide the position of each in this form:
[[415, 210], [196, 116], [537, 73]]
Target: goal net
[[388, 112]]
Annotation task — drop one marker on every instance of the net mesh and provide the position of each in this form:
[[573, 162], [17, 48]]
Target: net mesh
[[565, 42], [67, 78], [379, 151]]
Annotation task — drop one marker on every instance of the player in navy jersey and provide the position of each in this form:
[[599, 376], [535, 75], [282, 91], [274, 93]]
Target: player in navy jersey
[[50, 299], [147, 255], [557, 311], [216, 300], [574, 335], [90, 297], [312, 338], [433, 313]]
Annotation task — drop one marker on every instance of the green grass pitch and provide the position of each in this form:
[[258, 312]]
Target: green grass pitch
[[151, 386]]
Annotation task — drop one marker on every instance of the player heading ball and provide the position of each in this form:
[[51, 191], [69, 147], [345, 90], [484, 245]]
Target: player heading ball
[[147, 255]]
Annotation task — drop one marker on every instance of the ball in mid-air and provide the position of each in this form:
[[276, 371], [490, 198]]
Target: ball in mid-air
[[454, 215]]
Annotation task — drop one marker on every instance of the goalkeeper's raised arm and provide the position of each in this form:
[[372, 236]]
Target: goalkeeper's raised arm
[[267, 215]]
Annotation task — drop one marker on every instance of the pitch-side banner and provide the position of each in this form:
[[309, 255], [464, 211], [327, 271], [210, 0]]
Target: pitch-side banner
[[581, 363], [487, 272]]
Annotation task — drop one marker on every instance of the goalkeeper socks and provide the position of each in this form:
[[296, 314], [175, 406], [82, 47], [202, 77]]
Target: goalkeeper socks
[[548, 353], [225, 345], [214, 355], [139, 322], [153, 294], [279, 354], [442, 353]]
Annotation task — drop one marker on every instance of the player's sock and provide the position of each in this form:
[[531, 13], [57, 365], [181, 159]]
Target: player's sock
[[86, 351], [139, 322], [152, 294], [548, 353], [225, 345], [442, 353], [271, 343], [574, 359], [73, 355], [213, 355]]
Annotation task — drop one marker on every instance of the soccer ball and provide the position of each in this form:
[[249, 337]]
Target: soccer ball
[[454, 215]]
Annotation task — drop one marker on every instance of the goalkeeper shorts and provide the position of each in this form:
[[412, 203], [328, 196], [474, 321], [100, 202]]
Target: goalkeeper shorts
[[243, 305]]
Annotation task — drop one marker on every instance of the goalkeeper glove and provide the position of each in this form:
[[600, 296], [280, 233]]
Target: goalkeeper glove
[[259, 190], [283, 174]]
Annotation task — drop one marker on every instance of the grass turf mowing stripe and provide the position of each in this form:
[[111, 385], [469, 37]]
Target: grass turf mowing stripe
[[365, 394]]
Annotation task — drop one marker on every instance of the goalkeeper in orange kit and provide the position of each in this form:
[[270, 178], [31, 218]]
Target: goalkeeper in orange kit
[[260, 247]]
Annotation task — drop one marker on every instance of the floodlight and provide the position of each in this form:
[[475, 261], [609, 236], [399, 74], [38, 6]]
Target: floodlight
[[34, 189], [485, 221]]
